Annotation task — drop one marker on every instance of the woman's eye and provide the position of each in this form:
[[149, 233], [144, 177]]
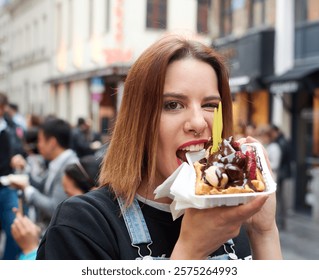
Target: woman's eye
[[210, 106], [172, 105]]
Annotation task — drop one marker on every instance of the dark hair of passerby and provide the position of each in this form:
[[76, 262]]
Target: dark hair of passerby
[[13, 107], [3, 99], [81, 121], [275, 128], [59, 129], [31, 140], [84, 173], [34, 120]]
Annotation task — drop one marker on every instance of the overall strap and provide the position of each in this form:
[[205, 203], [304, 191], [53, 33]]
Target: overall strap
[[136, 226], [139, 233]]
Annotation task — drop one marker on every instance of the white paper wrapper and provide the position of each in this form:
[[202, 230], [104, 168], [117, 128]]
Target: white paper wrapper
[[180, 186]]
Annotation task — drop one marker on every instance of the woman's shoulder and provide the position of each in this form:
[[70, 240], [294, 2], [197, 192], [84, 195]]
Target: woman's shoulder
[[96, 203], [89, 224]]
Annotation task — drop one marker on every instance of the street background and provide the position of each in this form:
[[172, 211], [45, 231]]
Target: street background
[[300, 241]]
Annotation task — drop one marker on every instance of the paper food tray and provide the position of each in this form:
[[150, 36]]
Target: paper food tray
[[180, 186], [207, 201]]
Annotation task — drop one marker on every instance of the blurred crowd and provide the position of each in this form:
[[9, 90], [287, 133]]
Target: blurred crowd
[[43, 160]]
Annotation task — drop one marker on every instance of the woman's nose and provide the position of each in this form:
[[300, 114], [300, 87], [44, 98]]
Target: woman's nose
[[196, 122]]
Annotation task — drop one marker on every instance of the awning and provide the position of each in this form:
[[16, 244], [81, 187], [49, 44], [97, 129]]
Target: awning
[[244, 83], [292, 80], [101, 72], [237, 84]]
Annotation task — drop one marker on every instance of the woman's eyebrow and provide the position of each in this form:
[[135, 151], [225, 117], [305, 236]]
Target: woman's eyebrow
[[212, 97], [184, 96], [175, 95]]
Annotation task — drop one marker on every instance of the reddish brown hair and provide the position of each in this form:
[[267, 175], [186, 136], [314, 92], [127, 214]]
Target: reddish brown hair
[[131, 155]]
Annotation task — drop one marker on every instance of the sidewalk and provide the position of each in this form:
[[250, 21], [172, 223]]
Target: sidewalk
[[300, 241]]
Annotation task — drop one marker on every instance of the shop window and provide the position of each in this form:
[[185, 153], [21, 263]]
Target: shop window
[[156, 14], [300, 11], [226, 17], [257, 13], [313, 10], [306, 11], [203, 10]]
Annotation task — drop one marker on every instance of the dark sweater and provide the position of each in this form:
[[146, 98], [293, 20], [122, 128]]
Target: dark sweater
[[90, 227], [5, 153]]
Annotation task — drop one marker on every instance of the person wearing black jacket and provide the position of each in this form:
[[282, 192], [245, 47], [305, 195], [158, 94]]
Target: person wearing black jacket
[[10, 144]]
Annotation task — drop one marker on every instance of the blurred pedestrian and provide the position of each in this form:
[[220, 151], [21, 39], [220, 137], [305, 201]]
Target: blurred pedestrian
[[250, 130], [85, 141], [33, 120], [33, 163], [17, 117], [264, 134], [10, 144], [284, 173]]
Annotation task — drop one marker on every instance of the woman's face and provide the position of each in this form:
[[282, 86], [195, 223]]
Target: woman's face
[[69, 186], [190, 96]]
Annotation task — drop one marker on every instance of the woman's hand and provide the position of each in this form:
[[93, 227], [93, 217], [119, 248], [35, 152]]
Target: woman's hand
[[204, 231], [264, 219], [261, 227]]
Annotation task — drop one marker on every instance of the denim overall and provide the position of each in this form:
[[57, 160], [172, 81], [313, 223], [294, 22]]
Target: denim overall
[[139, 234]]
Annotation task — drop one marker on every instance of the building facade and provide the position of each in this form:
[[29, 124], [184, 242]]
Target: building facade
[[273, 51], [96, 42], [28, 55], [69, 57]]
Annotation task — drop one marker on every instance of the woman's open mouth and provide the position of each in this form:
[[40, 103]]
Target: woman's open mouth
[[181, 152]]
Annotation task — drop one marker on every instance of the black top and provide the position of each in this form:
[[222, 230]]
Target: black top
[[90, 227], [10, 145]]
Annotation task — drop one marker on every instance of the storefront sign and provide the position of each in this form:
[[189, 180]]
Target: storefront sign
[[284, 87], [251, 55]]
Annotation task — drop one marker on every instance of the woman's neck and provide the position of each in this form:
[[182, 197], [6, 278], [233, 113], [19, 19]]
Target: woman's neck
[[147, 191]]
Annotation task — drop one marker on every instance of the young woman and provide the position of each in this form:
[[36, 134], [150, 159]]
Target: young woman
[[168, 102]]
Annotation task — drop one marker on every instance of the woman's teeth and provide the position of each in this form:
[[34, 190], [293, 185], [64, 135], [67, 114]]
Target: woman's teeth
[[193, 148]]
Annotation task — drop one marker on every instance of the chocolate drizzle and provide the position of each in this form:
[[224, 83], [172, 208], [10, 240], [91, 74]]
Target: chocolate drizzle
[[232, 161]]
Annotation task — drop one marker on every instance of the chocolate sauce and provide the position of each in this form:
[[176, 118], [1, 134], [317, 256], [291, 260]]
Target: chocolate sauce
[[229, 160]]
